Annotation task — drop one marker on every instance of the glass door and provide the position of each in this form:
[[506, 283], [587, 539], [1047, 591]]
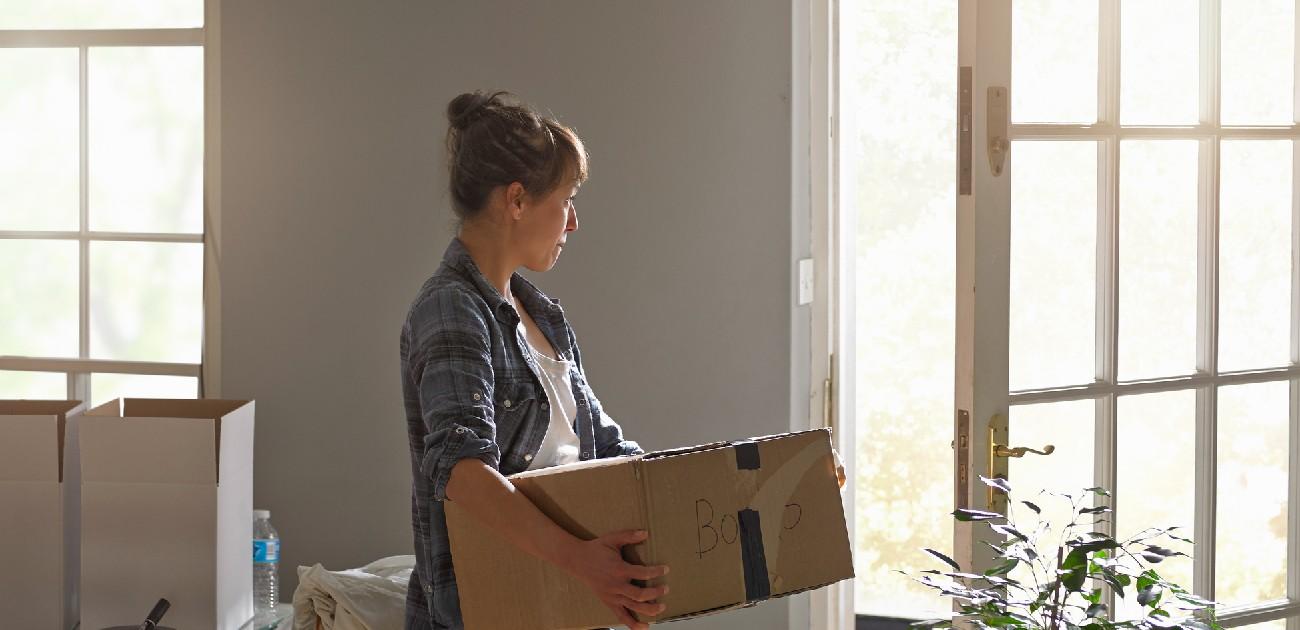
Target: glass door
[[1126, 277]]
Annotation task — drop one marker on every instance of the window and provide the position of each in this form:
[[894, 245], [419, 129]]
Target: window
[[102, 205]]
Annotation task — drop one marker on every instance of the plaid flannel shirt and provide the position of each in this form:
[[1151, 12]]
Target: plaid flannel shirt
[[471, 391]]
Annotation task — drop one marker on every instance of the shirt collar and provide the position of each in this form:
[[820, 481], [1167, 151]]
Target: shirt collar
[[457, 256]]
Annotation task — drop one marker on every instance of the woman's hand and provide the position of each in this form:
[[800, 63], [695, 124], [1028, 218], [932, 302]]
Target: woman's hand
[[599, 564], [839, 467]]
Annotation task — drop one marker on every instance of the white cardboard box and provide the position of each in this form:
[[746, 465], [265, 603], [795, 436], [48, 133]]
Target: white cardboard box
[[38, 566], [167, 511]]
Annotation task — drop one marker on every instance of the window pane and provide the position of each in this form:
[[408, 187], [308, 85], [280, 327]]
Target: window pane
[[1252, 510], [1053, 263], [39, 170], [1156, 478], [1159, 57], [898, 183], [146, 301], [106, 387], [1069, 469], [1054, 61], [34, 385], [1255, 254], [146, 139], [1257, 44], [38, 298], [74, 14], [1157, 258], [898, 187]]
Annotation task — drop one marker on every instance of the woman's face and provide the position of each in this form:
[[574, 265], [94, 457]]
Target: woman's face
[[544, 225]]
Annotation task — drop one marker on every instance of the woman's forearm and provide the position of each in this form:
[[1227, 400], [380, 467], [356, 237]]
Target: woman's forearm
[[495, 502]]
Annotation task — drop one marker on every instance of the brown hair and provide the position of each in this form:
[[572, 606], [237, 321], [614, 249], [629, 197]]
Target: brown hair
[[494, 140]]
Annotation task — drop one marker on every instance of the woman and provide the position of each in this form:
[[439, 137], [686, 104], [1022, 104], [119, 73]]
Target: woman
[[491, 374]]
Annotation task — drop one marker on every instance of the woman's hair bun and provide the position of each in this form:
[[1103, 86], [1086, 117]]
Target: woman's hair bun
[[471, 106], [494, 139]]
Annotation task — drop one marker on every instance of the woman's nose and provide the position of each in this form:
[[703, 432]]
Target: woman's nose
[[573, 220]]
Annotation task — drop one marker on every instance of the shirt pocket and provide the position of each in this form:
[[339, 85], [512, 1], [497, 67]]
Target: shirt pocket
[[521, 419]]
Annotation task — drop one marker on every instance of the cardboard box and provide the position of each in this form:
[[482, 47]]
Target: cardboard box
[[167, 511], [38, 566], [736, 523]]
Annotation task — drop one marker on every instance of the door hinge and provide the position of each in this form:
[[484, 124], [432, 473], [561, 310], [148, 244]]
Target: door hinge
[[828, 396], [965, 118]]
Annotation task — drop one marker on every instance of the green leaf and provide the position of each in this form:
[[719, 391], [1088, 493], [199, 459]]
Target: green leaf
[[999, 483], [1074, 569], [1035, 508], [1155, 553], [1161, 620], [975, 515], [1094, 596], [1008, 530], [1092, 542], [1002, 621], [1147, 579], [1194, 600], [1148, 596], [1001, 550], [949, 561], [1003, 568], [1116, 581], [1095, 610], [1021, 552], [1098, 490]]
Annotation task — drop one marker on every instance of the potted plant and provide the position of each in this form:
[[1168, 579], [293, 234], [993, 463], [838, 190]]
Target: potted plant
[[1060, 587]]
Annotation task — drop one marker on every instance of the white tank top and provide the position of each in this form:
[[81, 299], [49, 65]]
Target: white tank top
[[560, 445]]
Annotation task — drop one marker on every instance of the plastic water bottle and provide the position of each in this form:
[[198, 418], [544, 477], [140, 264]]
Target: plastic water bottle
[[266, 563]]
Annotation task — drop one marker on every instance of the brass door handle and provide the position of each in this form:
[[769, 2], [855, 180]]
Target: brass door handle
[[1001, 450]]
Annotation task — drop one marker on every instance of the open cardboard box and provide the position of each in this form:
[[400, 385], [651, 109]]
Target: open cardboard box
[[38, 484], [736, 522], [167, 511]]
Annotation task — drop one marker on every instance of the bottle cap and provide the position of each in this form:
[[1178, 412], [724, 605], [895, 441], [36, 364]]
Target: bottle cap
[[259, 514]]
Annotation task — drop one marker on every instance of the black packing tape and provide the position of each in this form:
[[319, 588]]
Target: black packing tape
[[746, 455], [751, 556]]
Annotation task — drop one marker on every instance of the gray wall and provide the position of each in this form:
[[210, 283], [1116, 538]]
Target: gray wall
[[678, 281]]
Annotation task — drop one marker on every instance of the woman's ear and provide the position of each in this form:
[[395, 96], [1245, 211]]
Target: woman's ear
[[516, 196]]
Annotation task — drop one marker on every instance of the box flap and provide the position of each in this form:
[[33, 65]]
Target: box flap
[[159, 440], [578, 465], [148, 450], [110, 408], [31, 439], [38, 407], [211, 408]]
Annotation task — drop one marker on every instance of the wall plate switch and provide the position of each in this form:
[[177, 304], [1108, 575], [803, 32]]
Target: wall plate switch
[[806, 278]]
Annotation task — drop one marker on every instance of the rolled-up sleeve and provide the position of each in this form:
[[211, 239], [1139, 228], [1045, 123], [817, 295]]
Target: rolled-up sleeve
[[454, 385], [609, 436]]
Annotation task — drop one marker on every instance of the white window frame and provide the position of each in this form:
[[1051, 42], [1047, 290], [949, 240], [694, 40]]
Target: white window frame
[[815, 161], [79, 369]]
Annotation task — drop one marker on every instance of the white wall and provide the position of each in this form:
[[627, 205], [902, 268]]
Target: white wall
[[678, 282]]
